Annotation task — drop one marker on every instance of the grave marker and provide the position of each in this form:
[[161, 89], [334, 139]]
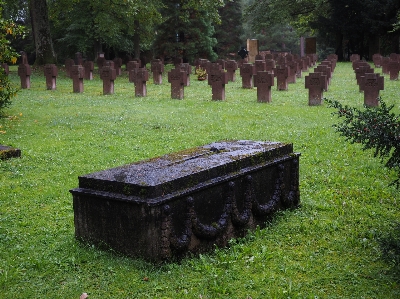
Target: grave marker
[[118, 65], [373, 83], [177, 78], [157, 68], [139, 77], [188, 70], [315, 83], [89, 67], [50, 72], [282, 74], [231, 66], [263, 81], [247, 73], [108, 74], [394, 68], [77, 75], [186, 202], [24, 72], [217, 78]]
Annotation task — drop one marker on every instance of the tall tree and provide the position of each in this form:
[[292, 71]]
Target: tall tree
[[41, 32], [187, 30], [228, 32]]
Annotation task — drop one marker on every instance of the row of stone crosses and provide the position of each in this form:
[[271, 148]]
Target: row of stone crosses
[[286, 68], [369, 82]]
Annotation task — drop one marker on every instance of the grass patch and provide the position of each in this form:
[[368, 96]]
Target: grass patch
[[328, 248]]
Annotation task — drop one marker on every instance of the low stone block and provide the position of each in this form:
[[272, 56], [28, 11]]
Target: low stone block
[[7, 152], [189, 201]]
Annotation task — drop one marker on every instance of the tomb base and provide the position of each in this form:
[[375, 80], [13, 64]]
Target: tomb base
[[186, 202], [7, 152]]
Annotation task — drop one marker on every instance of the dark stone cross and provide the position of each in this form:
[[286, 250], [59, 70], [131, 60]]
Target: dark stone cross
[[108, 74], [292, 71], [377, 59], [77, 75], [354, 57], [118, 65], [139, 77], [217, 78], [372, 84], [326, 70], [394, 68], [157, 68], [315, 83], [100, 60], [89, 67], [50, 72], [260, 66], [263, 81], [231, 66], [222, 63], [24, 72], [177, 78], [385, 65], [270, 65], [247, 73], [360, 74], [78, 58], [132, 64], [282, 74], [188, 70], [68, 65]]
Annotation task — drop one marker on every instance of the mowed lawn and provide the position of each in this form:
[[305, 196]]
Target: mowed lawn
[[327, 248]]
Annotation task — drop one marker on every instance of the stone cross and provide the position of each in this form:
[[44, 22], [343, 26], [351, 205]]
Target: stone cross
[[118, 65], [385, 65], [108, 74], [78, 58], [354, 57], [139, 77], [188, 69], [50, 72], [177, 78], [315, 83], [282, 74], [89, 67], [157, 68], [270, 65], [394, 68], [77, 75], [373, 83], [360, 73], [217, 78], [24, 72], [377, 59], [247, 73], [132, 64], [100, 60], [324, 69], [68, 66], [231, 66], [292, 71], [263, 81], [222, 63], [260, 66]]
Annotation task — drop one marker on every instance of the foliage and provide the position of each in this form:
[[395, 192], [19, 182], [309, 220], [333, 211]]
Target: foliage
[[228, 32], [8, 30], [375, 127], [201, 73], [185, 32]]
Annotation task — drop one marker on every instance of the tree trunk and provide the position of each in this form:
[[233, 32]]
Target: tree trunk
[[136, 40], [41, 32]]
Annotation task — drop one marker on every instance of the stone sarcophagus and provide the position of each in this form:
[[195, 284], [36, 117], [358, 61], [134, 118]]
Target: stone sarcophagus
[[189, 201]]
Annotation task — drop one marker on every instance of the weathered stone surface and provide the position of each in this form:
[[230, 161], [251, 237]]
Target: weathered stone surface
[[263, 81], [50, 72], [177, 78], [77, 75], [7, 152], [315, 82], [190, 201], [372, 84]]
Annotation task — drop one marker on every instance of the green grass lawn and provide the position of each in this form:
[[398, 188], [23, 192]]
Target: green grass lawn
[[327, 248]]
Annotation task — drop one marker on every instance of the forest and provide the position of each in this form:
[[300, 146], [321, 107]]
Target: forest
[[57, 29]]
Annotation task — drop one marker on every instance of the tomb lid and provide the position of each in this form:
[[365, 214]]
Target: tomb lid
[[159, 177]]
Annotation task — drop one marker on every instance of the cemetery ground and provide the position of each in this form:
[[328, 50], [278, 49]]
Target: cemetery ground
[[327, 248]]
